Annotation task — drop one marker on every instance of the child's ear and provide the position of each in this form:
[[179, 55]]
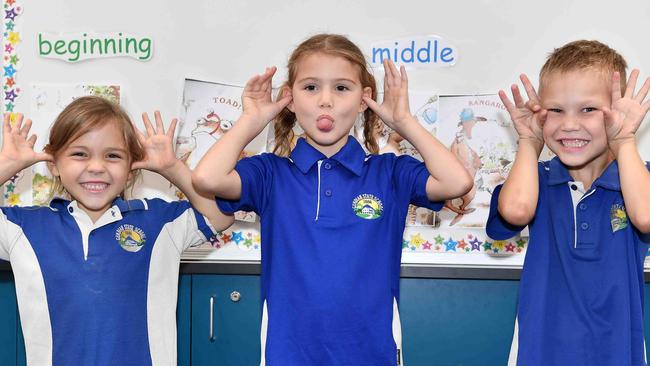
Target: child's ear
[[367, 92], [53, 169], [286, 90]]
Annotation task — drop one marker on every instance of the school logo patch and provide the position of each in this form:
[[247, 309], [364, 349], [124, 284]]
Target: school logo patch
[[367, 206], [131, 238], [618, 217]]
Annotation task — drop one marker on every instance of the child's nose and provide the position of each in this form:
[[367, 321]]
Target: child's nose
[[570, 123], [325, 99], [96, 165]]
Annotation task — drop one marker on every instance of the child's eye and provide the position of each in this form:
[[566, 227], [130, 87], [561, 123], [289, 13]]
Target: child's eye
[[114, 156], [310, 87], [589, 109], [342, 88], [554, 110], [78, 154]]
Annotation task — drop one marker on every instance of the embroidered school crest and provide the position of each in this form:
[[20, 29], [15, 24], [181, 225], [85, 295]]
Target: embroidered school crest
[[367, 206], [618, 217], [131, 238]]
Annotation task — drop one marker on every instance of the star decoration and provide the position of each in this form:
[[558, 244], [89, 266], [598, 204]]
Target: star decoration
[[10, 95], [476, 244], [10, 71], [10, 14], [462, 244], [13, 38], [450, 245], [417, 240], [510, 247], [439, 239], [14, 199], [427, 246], [499, 244], [521, 242], [237, 237]]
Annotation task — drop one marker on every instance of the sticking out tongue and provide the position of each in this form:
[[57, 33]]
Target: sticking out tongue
[[324, 124]]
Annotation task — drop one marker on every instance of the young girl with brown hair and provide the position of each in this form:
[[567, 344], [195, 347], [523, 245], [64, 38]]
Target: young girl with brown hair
[[97, 277], [332, 217]]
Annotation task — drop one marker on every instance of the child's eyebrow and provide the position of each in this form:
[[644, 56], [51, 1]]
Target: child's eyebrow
[[118, 149], [313, 79], [83, 147]]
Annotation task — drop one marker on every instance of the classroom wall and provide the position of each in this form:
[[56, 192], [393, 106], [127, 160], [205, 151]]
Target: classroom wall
[[229, 41]]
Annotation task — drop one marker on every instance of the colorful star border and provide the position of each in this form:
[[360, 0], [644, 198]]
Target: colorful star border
[[468, 244], [12, 9]]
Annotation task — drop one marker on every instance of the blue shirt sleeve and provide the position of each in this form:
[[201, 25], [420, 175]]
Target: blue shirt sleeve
[[256, 178], [413, 174], [497, 227]]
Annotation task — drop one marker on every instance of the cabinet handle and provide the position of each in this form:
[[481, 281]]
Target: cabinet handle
[[212, 338]]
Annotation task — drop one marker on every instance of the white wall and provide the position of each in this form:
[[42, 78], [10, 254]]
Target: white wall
[[231, 40]]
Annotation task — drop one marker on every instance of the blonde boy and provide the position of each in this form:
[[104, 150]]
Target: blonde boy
[[588, 210]]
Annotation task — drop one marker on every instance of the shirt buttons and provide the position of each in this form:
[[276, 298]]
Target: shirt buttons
[[583, 206], [584, 226], [327, 166], [328, 193], [70, 209], [574, 187]]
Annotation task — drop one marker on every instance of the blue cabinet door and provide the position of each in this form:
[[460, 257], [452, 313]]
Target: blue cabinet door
[[457, 322], [8, 319], [235, 336]]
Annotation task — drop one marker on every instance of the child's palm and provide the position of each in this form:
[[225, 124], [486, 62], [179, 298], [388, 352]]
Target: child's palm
[[256, 99], [17, 146], [159, 152], [528, 117], [527, 123], [157, 145], [395, 107], [628, 111]]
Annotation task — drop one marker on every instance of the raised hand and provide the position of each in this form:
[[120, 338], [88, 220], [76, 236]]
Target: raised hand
[[394, 110], [627, 111], [157, 144], [17, 148], [256, 99], [528, 117]]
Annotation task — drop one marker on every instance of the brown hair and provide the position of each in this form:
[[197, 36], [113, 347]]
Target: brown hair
[[583, 54], [86, 114], [334, 45]]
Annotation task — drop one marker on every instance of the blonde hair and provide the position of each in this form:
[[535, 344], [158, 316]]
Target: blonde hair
[[334, 45], [84, 115], [584, 54]]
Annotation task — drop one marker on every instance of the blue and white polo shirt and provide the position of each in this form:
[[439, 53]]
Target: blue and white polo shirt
[[581, 292], [331, 248], [102, 293]]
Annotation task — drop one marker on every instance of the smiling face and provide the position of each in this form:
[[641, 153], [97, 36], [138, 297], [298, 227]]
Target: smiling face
[[94, 168], [575, 129], [327, 98]]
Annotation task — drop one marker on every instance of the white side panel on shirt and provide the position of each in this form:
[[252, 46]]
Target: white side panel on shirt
[[32, 303], [163, 286], [514, 347]]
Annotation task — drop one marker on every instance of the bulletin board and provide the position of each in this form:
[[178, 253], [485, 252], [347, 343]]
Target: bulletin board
[[155, 49]]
